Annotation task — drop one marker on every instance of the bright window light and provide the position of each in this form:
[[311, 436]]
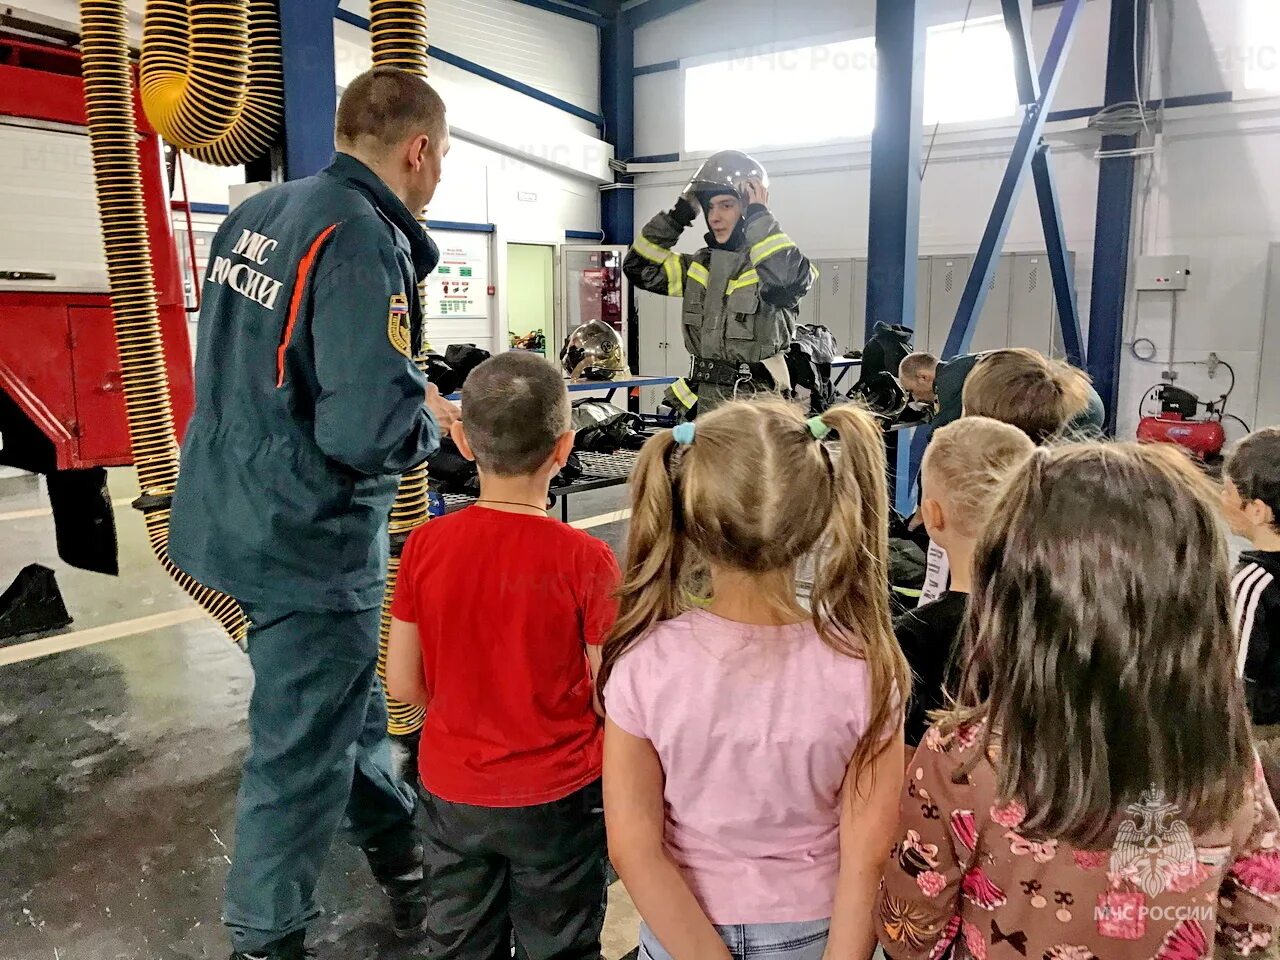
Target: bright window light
[[1260, 45], [827, 93], [809, 95], [969, 73]]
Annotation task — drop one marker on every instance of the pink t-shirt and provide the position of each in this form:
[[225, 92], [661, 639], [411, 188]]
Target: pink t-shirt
[[755, 728]]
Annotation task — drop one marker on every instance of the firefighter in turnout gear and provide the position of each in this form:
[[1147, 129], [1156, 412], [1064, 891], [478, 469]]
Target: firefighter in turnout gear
[[741, 292]]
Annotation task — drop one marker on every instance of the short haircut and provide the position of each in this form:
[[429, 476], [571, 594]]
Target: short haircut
[[514, 409], [971, 459], [1254, 467], [914, 364], [384, 106], [1025, 388]]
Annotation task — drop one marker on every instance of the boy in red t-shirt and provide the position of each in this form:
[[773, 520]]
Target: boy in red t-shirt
[[498, 618]]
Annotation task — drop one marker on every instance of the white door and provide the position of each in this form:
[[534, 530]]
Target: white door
[[1268, 412]]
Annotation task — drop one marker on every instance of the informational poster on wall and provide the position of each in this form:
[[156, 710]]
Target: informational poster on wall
[[459, 287]]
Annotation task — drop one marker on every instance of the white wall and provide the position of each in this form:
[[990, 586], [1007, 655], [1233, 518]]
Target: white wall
[[1212, 189]]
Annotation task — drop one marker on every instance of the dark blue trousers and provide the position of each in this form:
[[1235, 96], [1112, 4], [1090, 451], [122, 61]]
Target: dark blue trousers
[[318, 759]]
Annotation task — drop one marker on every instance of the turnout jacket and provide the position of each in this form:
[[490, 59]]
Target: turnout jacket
[[740, 299], [308, 404]]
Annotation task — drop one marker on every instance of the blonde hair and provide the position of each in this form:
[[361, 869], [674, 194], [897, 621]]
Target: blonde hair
[[1025, 388], [755, 492], [970, 461]]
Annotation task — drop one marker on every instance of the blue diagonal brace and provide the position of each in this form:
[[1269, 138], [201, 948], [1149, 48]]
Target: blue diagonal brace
[[1017, 18], [984, 264], [1055, 238]]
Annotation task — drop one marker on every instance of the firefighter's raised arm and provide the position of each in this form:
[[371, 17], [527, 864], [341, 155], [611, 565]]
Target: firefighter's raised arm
[[370, 412], [651, 264], [786, 274]]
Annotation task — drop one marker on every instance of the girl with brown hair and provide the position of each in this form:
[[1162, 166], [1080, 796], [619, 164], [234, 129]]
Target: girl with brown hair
[[753, 749], [1092, 792]]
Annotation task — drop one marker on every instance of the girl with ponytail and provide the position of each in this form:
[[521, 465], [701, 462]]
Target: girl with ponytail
[[753, 748]]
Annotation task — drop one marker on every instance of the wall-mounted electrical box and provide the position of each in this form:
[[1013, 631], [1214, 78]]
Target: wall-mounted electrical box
[[1162, 273]]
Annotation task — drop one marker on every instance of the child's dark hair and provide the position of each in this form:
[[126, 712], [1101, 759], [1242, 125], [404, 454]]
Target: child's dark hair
[[756, 492], [1099, 642], [1254, 468], [515, 407]]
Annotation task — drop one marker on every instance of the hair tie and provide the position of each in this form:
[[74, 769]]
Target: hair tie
[[818, 428], [682, 433]]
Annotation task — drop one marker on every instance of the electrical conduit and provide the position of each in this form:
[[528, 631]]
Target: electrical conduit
[[398, 34], [113, 143]]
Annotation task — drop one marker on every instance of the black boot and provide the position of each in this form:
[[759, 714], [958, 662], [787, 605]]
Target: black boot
[[399, 873], [286, 948]]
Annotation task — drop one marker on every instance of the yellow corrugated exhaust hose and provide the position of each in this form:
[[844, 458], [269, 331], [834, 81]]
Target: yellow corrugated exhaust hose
[[211, 77], [398, 33], [113, 142]]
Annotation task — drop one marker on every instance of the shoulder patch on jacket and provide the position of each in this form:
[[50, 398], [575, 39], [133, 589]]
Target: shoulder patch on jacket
[[398, 323]]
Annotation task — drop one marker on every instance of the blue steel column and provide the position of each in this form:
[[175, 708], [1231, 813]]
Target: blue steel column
[[1116, 177], [617, 104], [893, 242], [985, 262], [310, 85], [1017, 19]]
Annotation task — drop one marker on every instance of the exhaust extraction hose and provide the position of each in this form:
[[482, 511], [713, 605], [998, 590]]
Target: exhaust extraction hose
[[113, 144], [211, 77], [398, 34]]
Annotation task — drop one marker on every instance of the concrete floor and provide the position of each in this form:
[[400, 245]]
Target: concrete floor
[[119, 763]]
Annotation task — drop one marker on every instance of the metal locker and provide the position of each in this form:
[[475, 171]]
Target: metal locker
[[836, 289], [920, 324], [811, 307], [924, 286], [946, 287], [992, 332], [1031, 311], [859, 335], [1055, 327]]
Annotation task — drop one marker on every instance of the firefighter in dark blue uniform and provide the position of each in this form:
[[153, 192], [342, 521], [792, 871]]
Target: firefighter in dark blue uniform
[[308, 408]]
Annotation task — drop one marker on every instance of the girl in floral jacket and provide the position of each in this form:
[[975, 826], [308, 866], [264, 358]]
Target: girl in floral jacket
[[1092, 794]]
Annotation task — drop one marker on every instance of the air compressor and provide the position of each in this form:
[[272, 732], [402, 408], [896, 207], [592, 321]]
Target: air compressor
[[1180, 421]]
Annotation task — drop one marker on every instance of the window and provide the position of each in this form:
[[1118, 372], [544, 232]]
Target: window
[[1259, 56], [969, 73], [809, 95], [827, 93]]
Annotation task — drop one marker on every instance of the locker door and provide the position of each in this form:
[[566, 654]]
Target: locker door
[[1031, 303], [859, 333], [651, 312], [811, 306], [836, 288], [946, 286], [924, 286], [1055, 326], [993, 325]]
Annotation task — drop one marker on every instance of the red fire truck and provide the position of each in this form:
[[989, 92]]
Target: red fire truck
[[62, 411]]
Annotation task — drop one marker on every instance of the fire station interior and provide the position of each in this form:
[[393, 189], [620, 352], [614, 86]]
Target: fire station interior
[[1091, 179]]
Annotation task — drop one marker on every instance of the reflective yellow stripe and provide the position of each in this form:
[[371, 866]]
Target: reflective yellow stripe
[[767, 247], [699, 273], [684, 394], [814, 272], [748, 279], [675, 276], [650, 250]]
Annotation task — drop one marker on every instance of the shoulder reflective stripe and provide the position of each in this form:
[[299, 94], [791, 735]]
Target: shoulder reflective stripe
[[748, 279], [767, 248], [650, 250], [295, 302], [700, 273]]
